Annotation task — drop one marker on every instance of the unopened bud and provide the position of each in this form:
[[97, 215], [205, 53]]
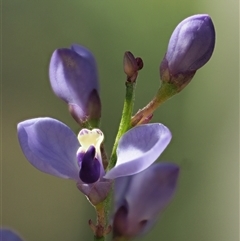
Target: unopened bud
[[190, 47], [74, 78], [131, 66]]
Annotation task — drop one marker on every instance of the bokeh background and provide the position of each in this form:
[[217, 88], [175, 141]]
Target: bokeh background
[[204, 118]]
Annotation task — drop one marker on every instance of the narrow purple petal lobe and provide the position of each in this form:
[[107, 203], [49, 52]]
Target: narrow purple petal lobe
[[139, 148], [50, 146], [90, 166]]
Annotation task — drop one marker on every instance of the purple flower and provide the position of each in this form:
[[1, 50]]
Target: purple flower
[[53, 148], [190, 47], [7, 234], [74, 79], [141, 198]]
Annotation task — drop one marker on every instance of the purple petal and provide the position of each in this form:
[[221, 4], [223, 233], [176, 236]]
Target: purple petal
[[86, 54], [9, 235], [139, 148], [73, 76], [78, 114], [121, 186], [50, 146], [147, 195], [96, 192]]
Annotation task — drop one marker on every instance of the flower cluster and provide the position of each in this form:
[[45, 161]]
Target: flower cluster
[[142, 189], [53, 148]]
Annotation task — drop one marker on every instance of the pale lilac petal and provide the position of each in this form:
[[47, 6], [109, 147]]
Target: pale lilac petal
[[7, 234], [139, 148], [50, 146], [73, 76], [151, 191], [147, 195]]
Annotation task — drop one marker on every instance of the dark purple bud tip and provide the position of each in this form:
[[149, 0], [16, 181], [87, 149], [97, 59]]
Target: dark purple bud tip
[[131, 66], [90, 166], [139, 63]]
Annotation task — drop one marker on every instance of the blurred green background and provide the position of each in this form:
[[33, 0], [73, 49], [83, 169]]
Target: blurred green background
[[204, 118]]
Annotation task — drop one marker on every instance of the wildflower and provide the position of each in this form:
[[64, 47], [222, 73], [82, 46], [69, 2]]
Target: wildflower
[[141, 198], [190, 47], [74, 79], [53, 148]]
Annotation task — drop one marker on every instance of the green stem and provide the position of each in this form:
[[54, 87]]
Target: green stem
[[125, 122], [102, 209], [165, 92]]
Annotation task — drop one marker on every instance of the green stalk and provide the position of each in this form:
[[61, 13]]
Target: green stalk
[[125, 122], [165, 92]]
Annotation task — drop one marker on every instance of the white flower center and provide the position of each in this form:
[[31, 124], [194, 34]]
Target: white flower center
[[87, 138]]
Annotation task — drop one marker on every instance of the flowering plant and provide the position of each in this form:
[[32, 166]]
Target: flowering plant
[[141, 188]]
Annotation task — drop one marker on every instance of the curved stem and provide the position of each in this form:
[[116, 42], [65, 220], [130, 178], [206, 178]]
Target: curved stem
[[165, 92]]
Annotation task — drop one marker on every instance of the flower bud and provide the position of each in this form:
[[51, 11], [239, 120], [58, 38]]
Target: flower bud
[[74, 79], [131, 66], [190, 47]]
